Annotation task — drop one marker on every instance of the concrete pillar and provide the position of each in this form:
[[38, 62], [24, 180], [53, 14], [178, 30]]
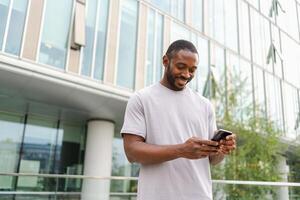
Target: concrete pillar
[[98, 159], [283, 169]]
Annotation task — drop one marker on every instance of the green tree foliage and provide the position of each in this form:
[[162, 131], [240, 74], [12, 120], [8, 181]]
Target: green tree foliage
[[258, 145]]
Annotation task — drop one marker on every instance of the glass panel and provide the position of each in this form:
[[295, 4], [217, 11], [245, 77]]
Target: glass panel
[[179, 32], [126, 55], [216, 20], [218, 89], [11, 131], [274, 103], [197, 14], [178, 9], [101, 39], [163, 5], [54, 42], [291, 64], [230, 15], [16, 26], [90, 22], [254, 3], [291, 110], [259, 90], [4, 4], [288, 20], [69, 154], [202, 70], [260, 30], [39, 149], [240, 99], [278, 56], [244, 35], [159, 47], [150, 47], [266, 6], [121, 167]]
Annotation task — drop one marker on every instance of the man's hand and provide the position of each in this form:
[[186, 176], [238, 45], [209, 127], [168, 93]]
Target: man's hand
[[195, 148], [228, 145]]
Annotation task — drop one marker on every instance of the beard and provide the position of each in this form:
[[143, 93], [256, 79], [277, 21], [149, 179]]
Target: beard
[[172, 79]]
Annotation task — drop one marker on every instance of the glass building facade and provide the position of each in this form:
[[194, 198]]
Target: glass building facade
[[257, 41]]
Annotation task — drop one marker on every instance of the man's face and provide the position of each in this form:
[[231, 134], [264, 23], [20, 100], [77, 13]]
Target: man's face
[[180, 69]]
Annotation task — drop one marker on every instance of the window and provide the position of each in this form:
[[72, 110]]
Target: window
[[288, 20], [179, 32], [239, 90], [197, 8], [4, 6], [176, 8], [260, 29], [268, 10], [291, 110], [16, 26], [278, 54], [221, 23], [154, 47], [101, 39], [291, 65], [54, 41], [244, 35], [259, 91], [203, 67], [273, 97], [254, 3], [90, 24], [11, 131], [217, 82], [127, 44]]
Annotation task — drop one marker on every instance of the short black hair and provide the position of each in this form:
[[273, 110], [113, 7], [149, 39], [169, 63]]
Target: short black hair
[[180, 45]]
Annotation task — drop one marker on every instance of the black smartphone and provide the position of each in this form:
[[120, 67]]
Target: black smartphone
[[221, 135]]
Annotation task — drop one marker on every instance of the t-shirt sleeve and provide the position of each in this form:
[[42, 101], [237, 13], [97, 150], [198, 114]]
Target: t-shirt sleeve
[[212, 125], [134, 119]]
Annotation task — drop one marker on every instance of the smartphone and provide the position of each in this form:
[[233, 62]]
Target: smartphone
[[221, 135]]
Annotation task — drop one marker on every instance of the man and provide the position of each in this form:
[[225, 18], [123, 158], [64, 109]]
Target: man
[[167, 129]]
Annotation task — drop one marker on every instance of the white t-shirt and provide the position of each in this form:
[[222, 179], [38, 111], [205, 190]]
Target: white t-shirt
[[164, 117]]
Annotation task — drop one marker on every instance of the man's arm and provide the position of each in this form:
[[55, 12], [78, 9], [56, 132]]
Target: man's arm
[[138, 151]]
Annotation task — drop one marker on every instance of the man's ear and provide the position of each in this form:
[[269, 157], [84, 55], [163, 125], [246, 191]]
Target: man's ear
[[165, 60]]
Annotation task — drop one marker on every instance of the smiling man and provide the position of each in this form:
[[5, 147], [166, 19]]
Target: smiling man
[[167, 129]]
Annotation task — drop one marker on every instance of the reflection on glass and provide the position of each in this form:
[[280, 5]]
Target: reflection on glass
[[179, 32], [11, 131], [38, 150], [159, 47], [288, 20], [259, 91], [90, 22], [101, 39], [217, 86], [16, 26], [273, 97], [291, 54], [4, 4], [121, 167], [163, 5], [266, 6], [54, 41], [291, 110], [230, 15], [215, 20], [176, 8], [244, 35], [197, 14], [260, 30], [276, 42], [150, 47], [202, 70], [239, 93], [127, 44]]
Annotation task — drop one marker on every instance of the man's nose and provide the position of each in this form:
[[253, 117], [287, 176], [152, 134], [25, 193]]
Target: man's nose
[[186, 74]]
